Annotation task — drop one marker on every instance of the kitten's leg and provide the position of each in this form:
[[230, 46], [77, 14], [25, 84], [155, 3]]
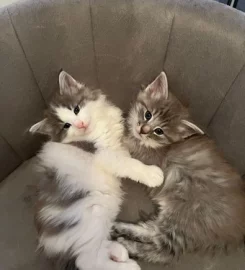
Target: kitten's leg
[[103, 262], [118, 252], [123, 166], [149, 252], [141, 232], [145, 241], [149, 175]]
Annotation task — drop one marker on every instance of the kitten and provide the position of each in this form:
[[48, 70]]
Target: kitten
[[201, 206], [80, 195]]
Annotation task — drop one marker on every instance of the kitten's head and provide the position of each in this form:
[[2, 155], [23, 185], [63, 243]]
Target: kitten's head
[[71, 114], [157, 118]]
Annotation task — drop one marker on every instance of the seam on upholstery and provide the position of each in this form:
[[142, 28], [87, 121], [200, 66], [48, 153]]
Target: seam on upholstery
[[24, 53], [224, 98], [93, 41], [169, 37], [11, 147], [170, 33]]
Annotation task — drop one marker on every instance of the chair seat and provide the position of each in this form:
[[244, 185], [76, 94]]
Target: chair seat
[[18, 236]]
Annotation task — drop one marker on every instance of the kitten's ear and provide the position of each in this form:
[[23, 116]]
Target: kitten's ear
[[41, 127], [158, 89], [68, 85], [189, 129]]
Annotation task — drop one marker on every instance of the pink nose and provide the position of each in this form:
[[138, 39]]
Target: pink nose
[[79, 124]]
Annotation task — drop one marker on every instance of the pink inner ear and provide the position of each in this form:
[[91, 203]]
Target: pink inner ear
[[71, 82], [152, 90], [159, 87], [155, 87]]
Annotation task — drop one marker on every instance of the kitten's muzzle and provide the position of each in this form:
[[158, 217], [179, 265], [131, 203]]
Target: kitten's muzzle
[[144, 129], [80, 124]]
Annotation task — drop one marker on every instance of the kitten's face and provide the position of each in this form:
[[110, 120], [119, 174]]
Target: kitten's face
[[157, 118], [72, 112]]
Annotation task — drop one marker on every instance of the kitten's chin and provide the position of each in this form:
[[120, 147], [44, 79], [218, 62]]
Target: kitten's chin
[[136, 135]]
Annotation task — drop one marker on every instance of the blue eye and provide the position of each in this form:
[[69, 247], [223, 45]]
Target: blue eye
[[76, 110], [148, 115], [158, 131], [67, 125]]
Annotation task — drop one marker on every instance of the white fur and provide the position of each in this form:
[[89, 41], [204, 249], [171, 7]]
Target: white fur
[[97, 174], [35, 127], [193, 126]]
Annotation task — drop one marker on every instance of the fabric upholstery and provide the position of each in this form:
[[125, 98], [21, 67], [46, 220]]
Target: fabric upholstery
[[9, 160], [118, 45], [20, 100], [115, 45], [18, 236], [228, 125], [17, 233]]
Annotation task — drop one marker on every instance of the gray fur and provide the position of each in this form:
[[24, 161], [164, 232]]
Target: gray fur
[[50, 191], [201, 206], [63, 263], [52, 126], [85, 146]]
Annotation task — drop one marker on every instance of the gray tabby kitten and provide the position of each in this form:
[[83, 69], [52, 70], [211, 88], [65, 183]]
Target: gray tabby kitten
[[201, 206]]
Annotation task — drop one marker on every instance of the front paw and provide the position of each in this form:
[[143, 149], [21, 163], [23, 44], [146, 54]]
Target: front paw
[[118, 252], [115, 233], [154, 176]]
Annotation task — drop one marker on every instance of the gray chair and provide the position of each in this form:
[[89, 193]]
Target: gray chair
[[115, 45]]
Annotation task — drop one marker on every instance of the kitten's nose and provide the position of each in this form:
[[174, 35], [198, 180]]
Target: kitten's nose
[[145, 129], [79, 124]]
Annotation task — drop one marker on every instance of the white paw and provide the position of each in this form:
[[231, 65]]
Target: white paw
[[118, 252], [154, 176]]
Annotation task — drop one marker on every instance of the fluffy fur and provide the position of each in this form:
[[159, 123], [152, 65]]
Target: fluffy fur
[[201, 206], [80, 195]]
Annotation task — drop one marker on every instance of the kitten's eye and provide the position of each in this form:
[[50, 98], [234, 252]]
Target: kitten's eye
[[148, 115], [158, 131], [67, 125], [76, 110]]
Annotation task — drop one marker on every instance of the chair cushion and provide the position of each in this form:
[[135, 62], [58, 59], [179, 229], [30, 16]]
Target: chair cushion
[[18, 236]]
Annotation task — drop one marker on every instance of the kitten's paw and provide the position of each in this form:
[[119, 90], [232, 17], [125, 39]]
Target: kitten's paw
[[118, 252], [121, 240], [114, 234], [154, 177], [115, 231]]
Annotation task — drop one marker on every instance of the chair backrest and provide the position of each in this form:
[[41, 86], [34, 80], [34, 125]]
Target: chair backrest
[[117, 45]]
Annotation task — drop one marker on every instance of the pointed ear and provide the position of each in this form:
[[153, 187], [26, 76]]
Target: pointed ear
[[41, 127], [189, 129], [158, 89], [68, 85]]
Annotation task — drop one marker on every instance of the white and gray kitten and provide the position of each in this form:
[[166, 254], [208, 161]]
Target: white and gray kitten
[[79, 193], [201, 206]]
